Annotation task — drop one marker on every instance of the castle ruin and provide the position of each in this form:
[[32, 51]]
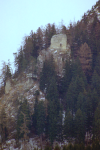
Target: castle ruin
[[59, 41]]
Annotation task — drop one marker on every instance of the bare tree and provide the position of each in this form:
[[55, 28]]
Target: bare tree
[[85, 57]]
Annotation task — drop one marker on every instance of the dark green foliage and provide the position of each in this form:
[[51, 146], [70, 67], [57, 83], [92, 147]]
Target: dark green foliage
[[80, 126], [76, 86], [70, 147], [54, 115], [49, 32], [47, 73], [35, 115], [76, 68], [64, 147], [35, 44], [38, 121], [95, 84], [66, 79], [5, 73], [57, 147], [97, 65], [88, 148], [97, 122], [81, 102], [69, 128], [24, 108], [52, 121], [41, 118], [20, 61], [52, 92], [48, 147], [96, 145], [3, 126]]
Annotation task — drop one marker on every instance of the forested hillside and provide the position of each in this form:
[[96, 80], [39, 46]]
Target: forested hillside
[[71, 110]]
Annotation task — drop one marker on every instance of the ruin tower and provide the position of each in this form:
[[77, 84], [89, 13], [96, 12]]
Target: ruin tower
[[59, 41]]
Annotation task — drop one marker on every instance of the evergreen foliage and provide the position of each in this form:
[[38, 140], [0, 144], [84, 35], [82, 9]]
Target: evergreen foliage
[[24, 109], [47, 73], [3, 126], [69, 127], [80, 126]]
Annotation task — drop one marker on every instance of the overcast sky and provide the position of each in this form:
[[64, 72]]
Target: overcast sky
[[19, 17]]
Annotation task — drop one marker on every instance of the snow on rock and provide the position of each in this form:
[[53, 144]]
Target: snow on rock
[[42, 99]]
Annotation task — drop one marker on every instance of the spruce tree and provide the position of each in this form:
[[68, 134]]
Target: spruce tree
[[69, 126], [40, 118], [76, 86], [80, 126], [97, 122], [53, 110], [24, 108], [3, 126], [95, 83]]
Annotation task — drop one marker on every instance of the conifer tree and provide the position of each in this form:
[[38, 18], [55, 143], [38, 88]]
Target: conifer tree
[[69, 126], [95, 83], [24, 130], [3, 126], [48, 71], [39, 38], [66, 79], [41, 118], [5, 73], [76, 86], [53, 110], [35, 115], [80, 126], [24, 108], [97, 122]]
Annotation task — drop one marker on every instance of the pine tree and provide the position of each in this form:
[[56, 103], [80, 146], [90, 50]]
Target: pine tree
[[24, 130], [47, 73], [53, 110], [41, 120], [97, 122], [24, 108], [69, 126], [76, 86], [3, 126], [81, 102], [35, 49], [52, 121], [35, 115], [95, 83], [39, 38], [80, 126], [66, 79], [5, 73]]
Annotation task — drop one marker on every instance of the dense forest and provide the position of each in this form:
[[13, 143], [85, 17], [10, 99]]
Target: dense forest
[[72, 107]]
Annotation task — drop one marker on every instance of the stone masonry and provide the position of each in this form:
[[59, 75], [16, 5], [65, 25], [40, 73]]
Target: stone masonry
[[59, 41]]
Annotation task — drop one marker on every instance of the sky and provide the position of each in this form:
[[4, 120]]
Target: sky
[[19, 17]]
